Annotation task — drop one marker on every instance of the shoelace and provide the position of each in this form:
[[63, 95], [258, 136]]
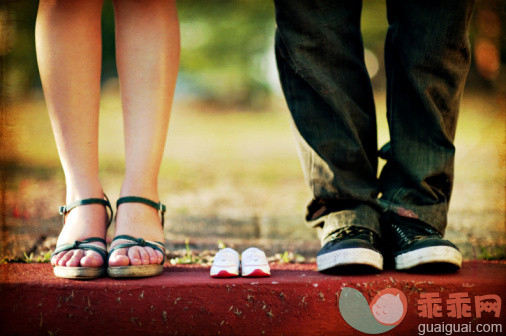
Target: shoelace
[[351, 231], [412, 232]]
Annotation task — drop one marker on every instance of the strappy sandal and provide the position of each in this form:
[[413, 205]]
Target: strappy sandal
[[136, 271], [82, 272]]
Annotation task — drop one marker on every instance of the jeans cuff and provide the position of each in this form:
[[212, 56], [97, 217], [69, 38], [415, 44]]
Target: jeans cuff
[[435, 215], [362, 215]]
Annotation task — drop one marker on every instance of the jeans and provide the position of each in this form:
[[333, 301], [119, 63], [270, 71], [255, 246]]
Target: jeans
[[320, 58]]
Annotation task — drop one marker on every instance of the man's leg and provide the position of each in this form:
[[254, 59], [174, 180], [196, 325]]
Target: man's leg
[[321, 65], [427, 57]]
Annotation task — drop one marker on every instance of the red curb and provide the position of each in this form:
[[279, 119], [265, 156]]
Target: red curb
[[185, 300]]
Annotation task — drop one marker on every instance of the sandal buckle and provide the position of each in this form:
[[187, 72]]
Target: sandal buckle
[[161, 208], [76, 244], [63, 210], [141, 242]]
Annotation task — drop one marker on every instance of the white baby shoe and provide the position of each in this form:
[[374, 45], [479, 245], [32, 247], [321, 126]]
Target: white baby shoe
[[225, 264], [254, 263]]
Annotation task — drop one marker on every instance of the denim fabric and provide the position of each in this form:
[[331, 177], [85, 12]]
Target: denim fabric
[[320, 58]]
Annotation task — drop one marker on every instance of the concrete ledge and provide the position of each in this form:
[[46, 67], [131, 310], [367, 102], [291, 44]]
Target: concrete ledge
[[296, 300]]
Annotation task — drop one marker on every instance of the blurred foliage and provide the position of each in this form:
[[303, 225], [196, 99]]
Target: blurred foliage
[[227, 47], [17, 56]]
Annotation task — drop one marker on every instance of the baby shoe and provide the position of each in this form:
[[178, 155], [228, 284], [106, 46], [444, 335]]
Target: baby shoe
[[254, 263], [225, 264]]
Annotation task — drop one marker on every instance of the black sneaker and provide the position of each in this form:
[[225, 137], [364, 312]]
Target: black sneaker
[[417, 246], [351, 249]]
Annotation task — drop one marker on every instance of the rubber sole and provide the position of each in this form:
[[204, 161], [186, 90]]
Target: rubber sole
[[260, 272], [429, 255], [224, 271], [79, 273], [224, 274], [350, 256], [140, 271]]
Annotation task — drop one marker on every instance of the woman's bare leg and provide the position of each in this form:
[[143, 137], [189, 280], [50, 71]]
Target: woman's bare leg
[[147, 48], [68, 42]]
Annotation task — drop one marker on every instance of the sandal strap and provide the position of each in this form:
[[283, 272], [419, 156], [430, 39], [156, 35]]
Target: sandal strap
[[136, 199], [83, 245], [156, 245], [65, 209]]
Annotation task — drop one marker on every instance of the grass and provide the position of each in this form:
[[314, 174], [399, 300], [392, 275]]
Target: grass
[[205, 143], [40, 259], [190, 257], [492, 253], [288, 257]]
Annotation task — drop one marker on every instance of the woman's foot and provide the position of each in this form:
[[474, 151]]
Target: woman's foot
[[82, 222], [140, 221]]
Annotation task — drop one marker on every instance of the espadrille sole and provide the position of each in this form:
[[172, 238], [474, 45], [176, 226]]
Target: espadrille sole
[[140, 271], [79, 273]]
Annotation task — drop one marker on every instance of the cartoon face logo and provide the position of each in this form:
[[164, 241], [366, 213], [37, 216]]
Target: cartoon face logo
[[388, 308], [386, 311]]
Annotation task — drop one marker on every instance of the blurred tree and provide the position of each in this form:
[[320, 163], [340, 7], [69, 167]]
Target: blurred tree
[[224, 48], [488, 38], [227, 47], [17, 46], [17, 20]]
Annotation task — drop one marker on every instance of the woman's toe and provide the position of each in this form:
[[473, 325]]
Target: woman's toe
[[144, 256], [75, 260], [91, 259], [134, 256], [159, 256], [64, 257], [119, 258], [56, 258], [153, 258]]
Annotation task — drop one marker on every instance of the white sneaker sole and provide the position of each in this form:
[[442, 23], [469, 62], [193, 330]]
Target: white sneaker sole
[[350, 256], [256, 271], [428, 255], [218, 271]]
